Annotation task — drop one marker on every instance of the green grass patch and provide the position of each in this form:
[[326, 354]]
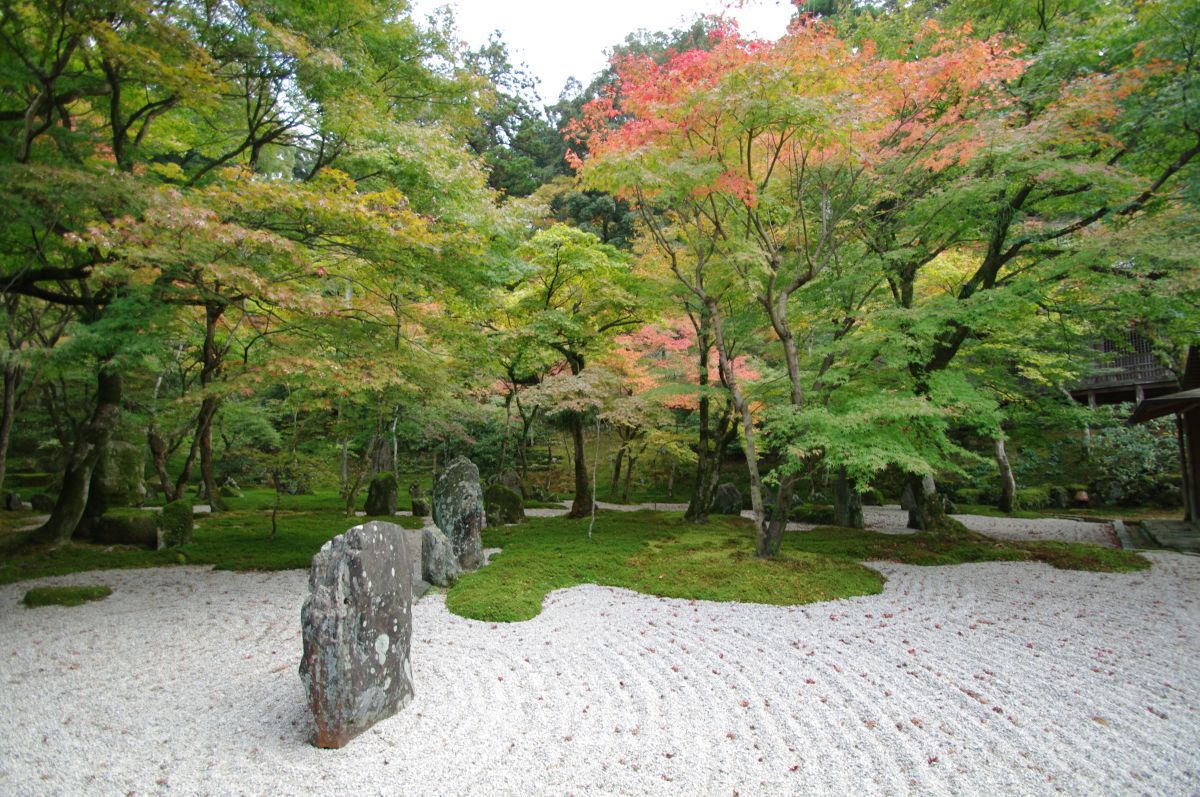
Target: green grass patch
[[235, 540], [64, 596], [931, 549], [650, 552]]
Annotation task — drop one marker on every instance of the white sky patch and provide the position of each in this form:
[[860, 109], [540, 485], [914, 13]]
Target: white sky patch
[[557, 44]]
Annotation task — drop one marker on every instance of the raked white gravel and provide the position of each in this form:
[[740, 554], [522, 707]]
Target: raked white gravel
[[997, 678]]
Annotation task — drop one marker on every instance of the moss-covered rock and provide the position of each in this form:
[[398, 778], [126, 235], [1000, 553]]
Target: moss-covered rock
[[420, 507], [381, 495], [41, 502], [120, 475], [175, 524], [230, 489], [128, 527], [64, 596], [503, 505]]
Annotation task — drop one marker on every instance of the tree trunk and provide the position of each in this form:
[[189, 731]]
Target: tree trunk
[[208, 411], [582, 505], [616, 474], [1008, 483], [158, 460], [763, 534], [12, 380], [928, 511], [702, 492], [847, 502], [628, 476], [77, 477], [211, 364], [776, 524]]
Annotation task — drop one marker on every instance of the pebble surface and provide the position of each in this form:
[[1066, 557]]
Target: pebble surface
[[997, 678]]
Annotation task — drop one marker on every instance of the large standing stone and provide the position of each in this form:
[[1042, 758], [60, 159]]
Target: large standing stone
[[357, 626], [120, 474], [381, 495], [438, 563], [458, 511], [727, 500]]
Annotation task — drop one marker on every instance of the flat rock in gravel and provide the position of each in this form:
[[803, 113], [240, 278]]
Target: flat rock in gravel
[[357, 626], [458, 511]]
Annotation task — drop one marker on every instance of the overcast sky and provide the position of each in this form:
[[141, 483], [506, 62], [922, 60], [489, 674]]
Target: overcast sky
[[558, 40]]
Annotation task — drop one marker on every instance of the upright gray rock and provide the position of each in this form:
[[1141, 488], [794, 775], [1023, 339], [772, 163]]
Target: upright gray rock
[[438, 563], [727, 500], [357, 626], [458, 511], [12, 502]]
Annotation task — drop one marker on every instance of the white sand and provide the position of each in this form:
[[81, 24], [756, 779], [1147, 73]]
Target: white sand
[[996, 678]]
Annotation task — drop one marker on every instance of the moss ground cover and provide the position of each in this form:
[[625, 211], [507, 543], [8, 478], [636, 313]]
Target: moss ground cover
[[658, 554]]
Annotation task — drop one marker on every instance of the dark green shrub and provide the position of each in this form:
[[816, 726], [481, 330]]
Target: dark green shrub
[[1033, 498], [969, 495], [128, 527], [175, 524], [812, 513], [1060, 497]]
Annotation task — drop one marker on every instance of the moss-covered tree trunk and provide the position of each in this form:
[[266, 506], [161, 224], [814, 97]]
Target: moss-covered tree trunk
[[77, 477], [1008, 482], [702, 491], [847, 502], [212, 357], [582, 505]]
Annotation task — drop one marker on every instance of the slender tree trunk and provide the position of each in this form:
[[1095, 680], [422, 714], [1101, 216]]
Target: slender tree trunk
[[1008, 482], [77, 477], [582, 505], [762, 545], [702, 492], [616, 474], [208, 411], [628, 476], [507, 431], [671, 481], [847, 502], [211, 364], [158, 460], [8, 414]]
